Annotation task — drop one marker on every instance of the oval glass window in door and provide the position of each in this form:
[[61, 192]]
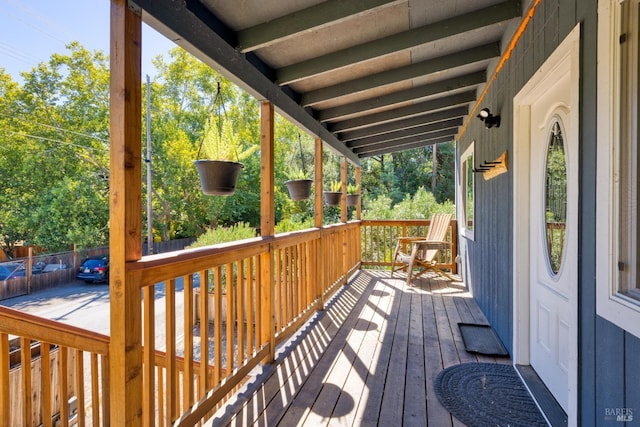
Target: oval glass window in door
[[555, 196]]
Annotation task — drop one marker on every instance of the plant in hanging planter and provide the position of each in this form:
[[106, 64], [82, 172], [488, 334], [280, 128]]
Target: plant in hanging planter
[[299, 184], [332, 198], [224, 151], [353, 194]]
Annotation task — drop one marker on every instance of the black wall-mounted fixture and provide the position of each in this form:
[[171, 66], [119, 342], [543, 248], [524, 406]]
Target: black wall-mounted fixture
[[489, 119]]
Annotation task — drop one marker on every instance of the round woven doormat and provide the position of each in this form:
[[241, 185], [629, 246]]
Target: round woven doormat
[[487, 394]]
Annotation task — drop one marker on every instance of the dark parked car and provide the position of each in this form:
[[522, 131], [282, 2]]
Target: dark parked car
[[11, 270], [94, 269]]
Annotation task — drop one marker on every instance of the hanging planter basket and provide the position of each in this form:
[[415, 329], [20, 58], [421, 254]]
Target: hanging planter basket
[[218, 177], [299, 189], [352, 199], [331, 198]]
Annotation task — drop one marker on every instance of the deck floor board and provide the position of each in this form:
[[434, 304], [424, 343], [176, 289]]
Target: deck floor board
[[370, 359]]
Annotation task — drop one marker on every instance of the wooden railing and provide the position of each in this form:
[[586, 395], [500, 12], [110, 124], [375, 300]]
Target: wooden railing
[[258, 292], [43, 373], [379, 240]]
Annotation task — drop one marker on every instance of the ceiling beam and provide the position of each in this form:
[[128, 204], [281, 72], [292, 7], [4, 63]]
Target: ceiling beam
[[406, 133], [406, 141], [465, 57], [404, 124], [302, 21], [393, 149], [399, 42], [408, 111], [414, 93], [191, 27]]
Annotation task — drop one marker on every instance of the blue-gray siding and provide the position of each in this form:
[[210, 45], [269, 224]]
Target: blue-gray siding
[[609, 358]]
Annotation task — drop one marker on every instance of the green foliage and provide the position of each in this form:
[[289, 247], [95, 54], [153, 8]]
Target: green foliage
[[212, 236], [54, 139], [222, 143], [378, 208], [297, 174], [54, 156], [353, 189], [294, 222], [336, 186], [421, 206], [401, 173]]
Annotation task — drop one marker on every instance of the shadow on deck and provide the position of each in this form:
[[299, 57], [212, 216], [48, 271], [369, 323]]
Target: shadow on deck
[[370, 359]]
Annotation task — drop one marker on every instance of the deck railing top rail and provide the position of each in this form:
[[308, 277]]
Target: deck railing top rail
[[16, 322]]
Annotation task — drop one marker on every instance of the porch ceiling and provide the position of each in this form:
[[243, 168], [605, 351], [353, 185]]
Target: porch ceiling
[[367, 76]]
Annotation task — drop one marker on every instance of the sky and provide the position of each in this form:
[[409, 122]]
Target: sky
[[32, 30]]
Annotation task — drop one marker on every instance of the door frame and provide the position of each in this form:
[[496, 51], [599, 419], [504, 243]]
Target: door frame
[[569, 49]]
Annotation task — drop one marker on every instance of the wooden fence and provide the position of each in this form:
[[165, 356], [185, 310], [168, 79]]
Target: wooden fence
[[46, 271]]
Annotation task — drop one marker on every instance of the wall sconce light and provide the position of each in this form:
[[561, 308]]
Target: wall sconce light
[[489, 119]]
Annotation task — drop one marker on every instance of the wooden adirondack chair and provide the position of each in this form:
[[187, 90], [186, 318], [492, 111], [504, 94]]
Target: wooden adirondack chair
[[424, 250]]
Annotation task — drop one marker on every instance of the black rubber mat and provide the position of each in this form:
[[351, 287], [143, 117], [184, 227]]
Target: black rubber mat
[[481, 339]]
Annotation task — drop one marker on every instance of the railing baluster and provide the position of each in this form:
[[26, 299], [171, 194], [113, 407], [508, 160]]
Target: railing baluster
[[277, 262], [217, 325], [25, 366], [204, 333], [187, 376], [170, 346], [288, 282], [240, 307], [161, 389], [5, 399], [149, 335], [250, 307], [95, 390], [45, 384], [79, 362], [63, 389], [229, 334], [106, 402]]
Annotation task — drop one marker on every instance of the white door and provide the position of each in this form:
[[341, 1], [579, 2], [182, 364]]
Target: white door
[[548, 110]]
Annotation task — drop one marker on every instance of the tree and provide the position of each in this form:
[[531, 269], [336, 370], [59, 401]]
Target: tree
[[444, 175], [55, 140]]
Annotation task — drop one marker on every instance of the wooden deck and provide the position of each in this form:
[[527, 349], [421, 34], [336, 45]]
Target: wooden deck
[[370, 359]]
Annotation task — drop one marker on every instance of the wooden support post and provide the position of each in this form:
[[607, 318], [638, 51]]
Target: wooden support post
[[267, 226], [125, 350], [359, 204], [359, 213], [343, 180], [319, 275], [318, 202]]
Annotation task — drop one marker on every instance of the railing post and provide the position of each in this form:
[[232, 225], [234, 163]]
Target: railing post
[[343, 180], [454, 246], [125, 349], [359, 204], [267, 226]]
